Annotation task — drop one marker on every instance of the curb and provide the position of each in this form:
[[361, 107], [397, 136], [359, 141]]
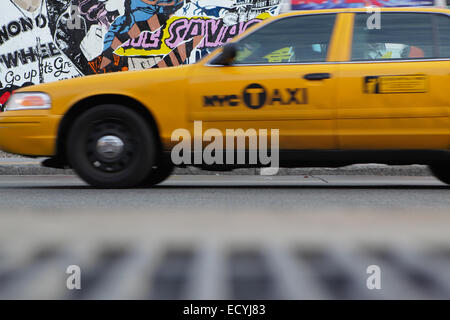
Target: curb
[[31, 166]]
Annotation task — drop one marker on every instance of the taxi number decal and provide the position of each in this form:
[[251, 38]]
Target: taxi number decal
[[416, 83]]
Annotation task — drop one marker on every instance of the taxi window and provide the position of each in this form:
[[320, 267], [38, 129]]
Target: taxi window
[[400, 36], [296, 39], [443, 25]]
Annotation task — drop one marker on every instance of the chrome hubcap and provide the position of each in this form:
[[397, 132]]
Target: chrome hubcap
[[109, 146]]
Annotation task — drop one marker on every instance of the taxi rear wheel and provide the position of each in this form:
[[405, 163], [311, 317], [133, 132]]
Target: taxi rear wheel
[[442, 172], [111, 146]]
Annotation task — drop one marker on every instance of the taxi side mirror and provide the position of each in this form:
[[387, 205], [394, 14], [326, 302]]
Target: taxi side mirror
[[227, 56]]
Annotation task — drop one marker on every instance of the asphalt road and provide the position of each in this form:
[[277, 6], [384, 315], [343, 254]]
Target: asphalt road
[[276, 194], [226, 237]]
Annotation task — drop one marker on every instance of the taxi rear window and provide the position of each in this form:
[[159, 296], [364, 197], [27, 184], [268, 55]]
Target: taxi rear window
[[397, 36], [443, 27]]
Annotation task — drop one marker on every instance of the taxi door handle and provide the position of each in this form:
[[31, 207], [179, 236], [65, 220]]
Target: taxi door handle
[[317, 76]]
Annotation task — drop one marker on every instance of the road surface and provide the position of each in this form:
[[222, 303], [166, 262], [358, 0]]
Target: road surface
[[275, 193], [233, 237]]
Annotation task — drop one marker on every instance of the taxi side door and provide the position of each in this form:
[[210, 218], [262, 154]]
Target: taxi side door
[[393, 92], [281, 79]]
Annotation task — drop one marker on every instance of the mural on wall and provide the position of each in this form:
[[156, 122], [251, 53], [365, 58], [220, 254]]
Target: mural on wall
[[334, 4], [49, 40]]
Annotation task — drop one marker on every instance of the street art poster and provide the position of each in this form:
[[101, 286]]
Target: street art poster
[[50, 40], [335, 4]]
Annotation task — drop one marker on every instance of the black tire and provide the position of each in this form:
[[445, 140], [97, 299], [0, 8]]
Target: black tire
[[441, 171], [128, 165], [160, 172]]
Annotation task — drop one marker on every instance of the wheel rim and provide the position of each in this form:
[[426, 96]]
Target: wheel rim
[[110, 146]]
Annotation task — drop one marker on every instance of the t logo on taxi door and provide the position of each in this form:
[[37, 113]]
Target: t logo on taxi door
[[254, 96]]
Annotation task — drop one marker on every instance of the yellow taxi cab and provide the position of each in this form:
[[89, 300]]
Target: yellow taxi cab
[[342, 86]]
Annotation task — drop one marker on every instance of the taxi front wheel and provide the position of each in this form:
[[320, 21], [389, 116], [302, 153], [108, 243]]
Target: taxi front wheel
[[111, 146], [160, 172], [442, 172]]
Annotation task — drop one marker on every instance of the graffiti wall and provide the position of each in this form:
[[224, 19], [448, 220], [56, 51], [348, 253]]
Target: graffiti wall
[[50, 40], [334, 4]]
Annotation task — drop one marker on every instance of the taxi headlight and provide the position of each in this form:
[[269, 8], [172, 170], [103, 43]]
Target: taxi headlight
[[28, 101]]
